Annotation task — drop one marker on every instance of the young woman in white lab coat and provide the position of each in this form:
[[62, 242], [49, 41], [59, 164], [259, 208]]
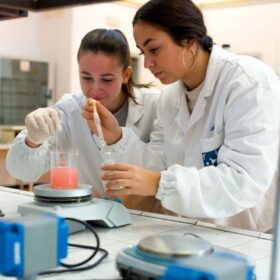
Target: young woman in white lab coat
[[213, 152], [105, 75]]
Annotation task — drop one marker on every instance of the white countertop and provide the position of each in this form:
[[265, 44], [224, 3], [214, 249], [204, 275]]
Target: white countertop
[[255, 245]]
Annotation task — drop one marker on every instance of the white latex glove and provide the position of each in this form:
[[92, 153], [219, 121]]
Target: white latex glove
[[42, 123]]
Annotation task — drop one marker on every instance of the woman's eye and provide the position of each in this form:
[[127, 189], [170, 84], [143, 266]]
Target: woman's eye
[[86, 78], [154, 50], [107, 80]]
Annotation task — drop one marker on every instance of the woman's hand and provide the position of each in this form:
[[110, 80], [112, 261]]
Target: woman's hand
[[133, 179], [111, 131]]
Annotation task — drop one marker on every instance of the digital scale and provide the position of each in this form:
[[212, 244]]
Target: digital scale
[[76, 203], [172, 256]]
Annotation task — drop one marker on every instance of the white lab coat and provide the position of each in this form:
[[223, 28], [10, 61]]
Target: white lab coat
[[28, 164], [219, 160]]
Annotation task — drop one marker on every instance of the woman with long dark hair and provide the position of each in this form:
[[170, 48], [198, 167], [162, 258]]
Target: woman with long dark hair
[[213, 152]]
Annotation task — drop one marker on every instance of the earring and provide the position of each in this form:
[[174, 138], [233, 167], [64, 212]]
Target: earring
[[184, 62]]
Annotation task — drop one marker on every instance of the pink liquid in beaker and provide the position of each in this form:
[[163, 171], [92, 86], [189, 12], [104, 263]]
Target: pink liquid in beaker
[[64, 177]]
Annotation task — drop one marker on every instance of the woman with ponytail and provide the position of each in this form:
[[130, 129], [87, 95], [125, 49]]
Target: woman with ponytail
[[105, 75]]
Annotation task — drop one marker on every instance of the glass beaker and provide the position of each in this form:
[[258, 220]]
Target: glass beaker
[[64, 170], [107, 159]]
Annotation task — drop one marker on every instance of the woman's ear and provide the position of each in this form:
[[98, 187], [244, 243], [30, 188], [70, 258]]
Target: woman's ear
[[127, 74]]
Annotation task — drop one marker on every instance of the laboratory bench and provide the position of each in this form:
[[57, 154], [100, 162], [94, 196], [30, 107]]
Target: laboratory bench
[[255, 245]]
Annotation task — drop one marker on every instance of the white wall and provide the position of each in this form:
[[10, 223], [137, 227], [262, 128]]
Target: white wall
[[55, 46], [252, 29], [20, 37], [54, 36]]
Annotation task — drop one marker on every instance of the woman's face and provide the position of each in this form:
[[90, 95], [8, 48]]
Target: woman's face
[[162, 56], [101, 78]]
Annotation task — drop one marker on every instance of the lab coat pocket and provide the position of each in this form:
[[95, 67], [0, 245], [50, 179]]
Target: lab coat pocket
[[210, 148]]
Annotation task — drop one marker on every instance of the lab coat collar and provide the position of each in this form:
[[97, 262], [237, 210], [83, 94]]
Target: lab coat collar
[[135, 111], [214, 65], [184, 119]]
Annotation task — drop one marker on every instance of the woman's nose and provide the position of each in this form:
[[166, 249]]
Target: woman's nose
[[93, 90], [148, 63], [95, 87]]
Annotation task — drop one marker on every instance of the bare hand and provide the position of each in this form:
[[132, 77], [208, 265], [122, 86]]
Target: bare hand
[[133, 179], [111, 131]]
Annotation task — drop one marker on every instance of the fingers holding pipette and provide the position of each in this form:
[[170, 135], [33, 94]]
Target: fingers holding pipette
[[109, 125], [87, 114]]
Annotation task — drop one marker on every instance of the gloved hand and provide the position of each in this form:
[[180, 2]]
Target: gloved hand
[[42, 123]]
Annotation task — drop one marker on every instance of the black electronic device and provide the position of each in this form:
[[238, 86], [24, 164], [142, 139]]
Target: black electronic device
[[10, 9]]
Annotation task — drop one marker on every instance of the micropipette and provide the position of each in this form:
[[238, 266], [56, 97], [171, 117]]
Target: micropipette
[[97, 121]]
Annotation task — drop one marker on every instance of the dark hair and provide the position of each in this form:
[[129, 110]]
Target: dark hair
[[112, 42], [181, 19]]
